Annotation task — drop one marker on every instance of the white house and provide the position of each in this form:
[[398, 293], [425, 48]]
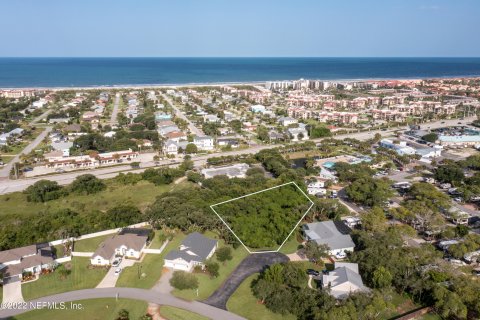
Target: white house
[[286, 121], [238, 170], [127, 243], [193, 251], [401, 148], [334, 234], [170, 147], [343, 280], [257, 108], [299, 133], [315, 191], [204, 143]]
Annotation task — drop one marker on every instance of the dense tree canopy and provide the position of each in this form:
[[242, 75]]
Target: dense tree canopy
[[43, 190], [370, 191], [87, 184], [265, 219]]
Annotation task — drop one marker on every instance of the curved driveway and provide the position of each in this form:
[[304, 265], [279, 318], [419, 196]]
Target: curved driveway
[[252, 264], [129, 293]]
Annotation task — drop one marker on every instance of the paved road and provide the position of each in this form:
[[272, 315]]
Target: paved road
[[252, 264], [181, 115], [113, 118], [5, 171], [129, 293], [8, 186], [40, 117]]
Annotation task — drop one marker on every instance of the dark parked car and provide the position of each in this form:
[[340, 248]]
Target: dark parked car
[[312, 272]]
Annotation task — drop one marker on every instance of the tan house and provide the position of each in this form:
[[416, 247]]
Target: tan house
[[128, 243]]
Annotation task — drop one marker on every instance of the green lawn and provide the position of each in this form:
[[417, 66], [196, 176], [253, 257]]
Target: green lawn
[[244, 303], [207, 285], [172, 313], [151, 266], [292, 244], [93, 309], [141, 195], [81, 278], [156, 241], [91, 244], [6, 159], [1, 293]]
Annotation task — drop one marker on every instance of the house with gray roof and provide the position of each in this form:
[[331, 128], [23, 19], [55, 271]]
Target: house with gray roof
[[128, 243], [343, 280], [194, 251], [238, 170], [33, 258], [334, 234]]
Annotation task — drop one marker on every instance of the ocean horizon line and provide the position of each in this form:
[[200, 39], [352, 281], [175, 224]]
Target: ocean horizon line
[[240, 57], [72, 72]]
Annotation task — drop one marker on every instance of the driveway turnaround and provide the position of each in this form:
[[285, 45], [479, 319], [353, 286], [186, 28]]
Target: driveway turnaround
[[12, 290], [252, 264], [128, 293]]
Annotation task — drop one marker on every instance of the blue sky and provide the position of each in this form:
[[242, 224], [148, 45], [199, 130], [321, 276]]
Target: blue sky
[[348, 28]]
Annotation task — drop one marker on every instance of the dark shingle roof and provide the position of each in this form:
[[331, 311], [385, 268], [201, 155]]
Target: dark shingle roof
[[195, 247]]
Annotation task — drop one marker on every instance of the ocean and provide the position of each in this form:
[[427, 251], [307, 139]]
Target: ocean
[[87, 72]]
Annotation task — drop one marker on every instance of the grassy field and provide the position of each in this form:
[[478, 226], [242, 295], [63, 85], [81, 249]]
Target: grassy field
[[243, 303], [89, 245], [151, 266], [94, 309], [207, 285], [172, 313], [81, 277], [141, 194]]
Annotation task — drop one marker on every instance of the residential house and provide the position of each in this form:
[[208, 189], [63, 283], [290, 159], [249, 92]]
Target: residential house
[[176, 136], [193, 251], [163, 130], [343, 280], [286, 121], [204, 143], [211, 118], [334, 234], [223, 142], [128, 243], [401, 148], [258, 108], [238, 170], [33, 258], [5, 138], [170, 147], [298, 134]]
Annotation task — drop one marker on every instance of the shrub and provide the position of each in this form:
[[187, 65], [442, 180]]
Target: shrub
[[87, 184], [224, 254], [43, 191], [182, 280], [212, 268]]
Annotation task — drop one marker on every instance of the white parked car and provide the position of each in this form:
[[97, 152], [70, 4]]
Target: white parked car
[[117, 271], [341, 255]]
